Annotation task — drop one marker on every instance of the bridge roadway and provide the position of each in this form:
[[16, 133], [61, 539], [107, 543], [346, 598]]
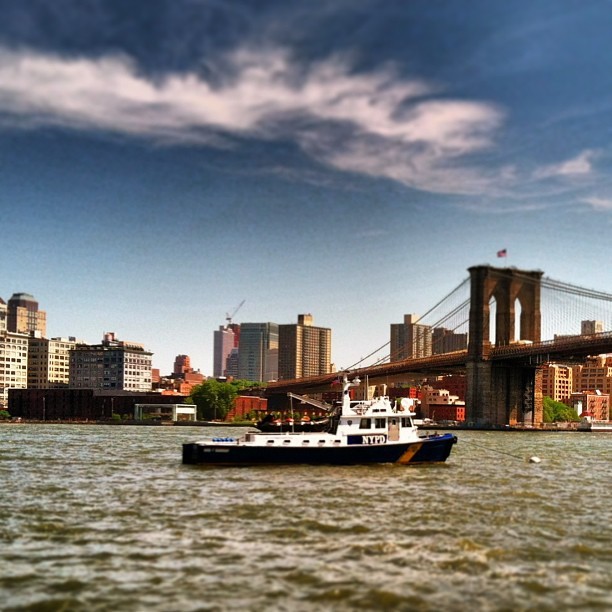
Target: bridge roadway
[[565, 348]]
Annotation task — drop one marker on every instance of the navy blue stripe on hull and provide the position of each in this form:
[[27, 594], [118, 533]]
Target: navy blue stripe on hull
[[433, 449], [436, 449]]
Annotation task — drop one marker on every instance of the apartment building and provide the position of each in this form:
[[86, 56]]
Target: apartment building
[[13, 358], [49, 362], [303, 349], [595, 405], [594, 375], [410, 339], [111, 365], [588, 328], [446, 341], [558, 382]]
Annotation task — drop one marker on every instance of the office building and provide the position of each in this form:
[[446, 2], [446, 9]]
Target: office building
[[410, 340], [111, 365], [258, 352], [303, 349], [24, 317], [231, 365], [49, 362]]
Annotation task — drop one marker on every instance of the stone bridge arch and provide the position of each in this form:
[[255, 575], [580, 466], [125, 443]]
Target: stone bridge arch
[[499, 394]]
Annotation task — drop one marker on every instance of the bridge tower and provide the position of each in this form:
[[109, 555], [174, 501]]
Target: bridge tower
[[498, 393]]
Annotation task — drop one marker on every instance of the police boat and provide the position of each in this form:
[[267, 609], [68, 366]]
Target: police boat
[[360, 432]]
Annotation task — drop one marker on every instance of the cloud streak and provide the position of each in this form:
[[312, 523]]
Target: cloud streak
[[375, 123], [579, 166]]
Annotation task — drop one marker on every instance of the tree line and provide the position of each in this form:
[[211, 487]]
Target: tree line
[[214, 399]]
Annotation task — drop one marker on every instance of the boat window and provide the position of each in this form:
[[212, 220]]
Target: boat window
[[365, 424], [305, 441], [406, 422], [270, 442], [380, 423], [286, 441]]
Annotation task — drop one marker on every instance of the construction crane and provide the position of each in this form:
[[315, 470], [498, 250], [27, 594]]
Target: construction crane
[[229, 317]]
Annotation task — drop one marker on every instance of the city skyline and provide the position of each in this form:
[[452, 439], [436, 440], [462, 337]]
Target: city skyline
[[165, 161]]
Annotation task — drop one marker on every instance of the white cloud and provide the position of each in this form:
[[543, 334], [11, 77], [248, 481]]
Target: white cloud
[[581, 165], [600, 204], [386, 126]]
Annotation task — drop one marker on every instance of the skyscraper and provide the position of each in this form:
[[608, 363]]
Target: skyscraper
[[303, 349], [410, 339], [232, 364], [258, 352], [223, 343]]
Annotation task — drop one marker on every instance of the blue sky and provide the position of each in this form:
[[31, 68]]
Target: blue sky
[[161, 161]]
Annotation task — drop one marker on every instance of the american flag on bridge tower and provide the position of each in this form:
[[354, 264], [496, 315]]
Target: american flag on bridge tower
[[502, 253]]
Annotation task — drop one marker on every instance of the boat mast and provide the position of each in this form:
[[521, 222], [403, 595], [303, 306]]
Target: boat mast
[[346, 398]]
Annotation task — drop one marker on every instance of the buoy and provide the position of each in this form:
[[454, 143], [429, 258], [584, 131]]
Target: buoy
[[534, 459]]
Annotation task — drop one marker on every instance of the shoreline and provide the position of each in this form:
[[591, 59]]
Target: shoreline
[[547, 428]]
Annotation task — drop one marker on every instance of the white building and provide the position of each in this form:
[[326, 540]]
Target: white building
[[13, 358]]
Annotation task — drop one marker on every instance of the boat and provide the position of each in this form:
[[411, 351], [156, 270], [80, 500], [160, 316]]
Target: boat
[[360, 432], [588, 423]]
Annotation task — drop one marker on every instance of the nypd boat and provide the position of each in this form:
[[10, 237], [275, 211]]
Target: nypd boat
[[360, 432]]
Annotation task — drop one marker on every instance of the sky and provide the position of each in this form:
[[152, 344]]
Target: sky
[[162, 161]]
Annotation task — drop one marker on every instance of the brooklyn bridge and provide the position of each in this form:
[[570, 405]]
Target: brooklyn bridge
[[515, 321]]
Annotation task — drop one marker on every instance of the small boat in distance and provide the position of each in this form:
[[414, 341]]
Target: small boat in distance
[[360, 432], [588, 423]]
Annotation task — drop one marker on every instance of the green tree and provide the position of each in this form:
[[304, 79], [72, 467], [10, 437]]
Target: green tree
[[241, 384], [554, 412], [214, 399], [4, 414]]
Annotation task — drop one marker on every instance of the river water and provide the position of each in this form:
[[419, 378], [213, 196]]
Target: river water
[[107, 518]]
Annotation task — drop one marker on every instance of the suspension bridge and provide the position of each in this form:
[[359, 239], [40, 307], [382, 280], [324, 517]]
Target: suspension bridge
[[511, 322]]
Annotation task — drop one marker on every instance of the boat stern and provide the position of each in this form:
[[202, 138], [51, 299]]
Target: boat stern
[[190, 453]]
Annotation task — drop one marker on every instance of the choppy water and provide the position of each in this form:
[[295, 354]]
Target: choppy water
[[107, 518]]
